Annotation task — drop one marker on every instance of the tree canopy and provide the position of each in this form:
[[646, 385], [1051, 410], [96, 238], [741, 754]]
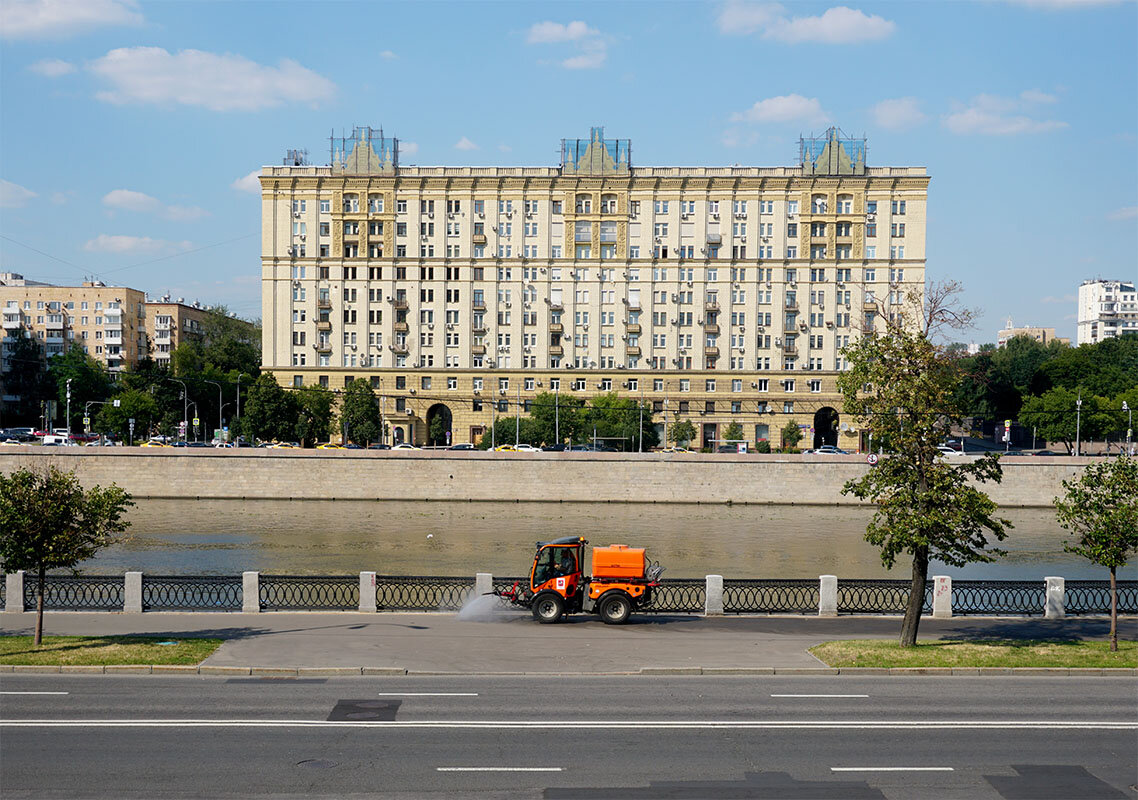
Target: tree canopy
[[359, 413], [48, 521]]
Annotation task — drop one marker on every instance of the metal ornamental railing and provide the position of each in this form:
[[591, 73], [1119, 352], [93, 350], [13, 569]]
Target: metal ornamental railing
[[77, 592], [191, 593], [998, 597], [1093, 597], [421, 593], [788, 596], [879, 596], [678, 595], [309, 592]]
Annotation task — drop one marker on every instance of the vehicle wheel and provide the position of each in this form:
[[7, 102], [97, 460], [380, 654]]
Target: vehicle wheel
[[615, 608], [548, 607]]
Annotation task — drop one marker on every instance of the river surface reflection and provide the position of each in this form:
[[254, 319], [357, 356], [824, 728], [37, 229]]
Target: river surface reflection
[[226, 537]]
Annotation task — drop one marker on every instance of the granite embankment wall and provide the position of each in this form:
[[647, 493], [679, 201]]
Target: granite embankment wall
[[478, 476]]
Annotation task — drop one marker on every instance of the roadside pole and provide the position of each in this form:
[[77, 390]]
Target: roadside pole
[[69, 409]]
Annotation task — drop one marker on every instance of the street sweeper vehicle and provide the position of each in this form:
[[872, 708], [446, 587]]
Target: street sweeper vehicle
[[623, 579]]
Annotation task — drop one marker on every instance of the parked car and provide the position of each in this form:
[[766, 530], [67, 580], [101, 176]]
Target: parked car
[[378, 446], [831, 449], [462, 446], [504, 448], [284, 445], [352, 446], [405, 446], [676, 450], [329, 446], [555, 448], [527, 448], [223, 444]]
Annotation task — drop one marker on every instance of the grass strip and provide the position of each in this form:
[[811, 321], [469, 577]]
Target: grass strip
[[104, 650], [977, 653]]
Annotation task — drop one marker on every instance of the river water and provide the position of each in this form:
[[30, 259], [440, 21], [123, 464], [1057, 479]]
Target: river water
[[318, 537]]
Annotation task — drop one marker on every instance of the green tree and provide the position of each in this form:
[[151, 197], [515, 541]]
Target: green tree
[[791, 435], [89, 380], [682, 432], [133, 404], [900, 384], [1101, 508], [1104, 369], [25, 376], [48, 521], [557, 417], [269, 412], [313, 420], [1056, 416], [359, 412], [620, 421], [230, 344], [733, 432]]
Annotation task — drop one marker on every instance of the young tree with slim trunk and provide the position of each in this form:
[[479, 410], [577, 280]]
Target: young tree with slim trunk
[[1101, 508], [47, 521], [901, 385], [682, 431]]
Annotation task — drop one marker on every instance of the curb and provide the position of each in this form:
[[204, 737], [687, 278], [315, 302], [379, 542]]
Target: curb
[[328, 672]]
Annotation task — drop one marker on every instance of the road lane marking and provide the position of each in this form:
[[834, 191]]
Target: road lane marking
[[428, 694], [578, 724], [498, 769], [35, 692], [819, 695], [891, 769]]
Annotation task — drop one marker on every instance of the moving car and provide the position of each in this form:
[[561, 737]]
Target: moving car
[[831, 449], [405, 446], [526, 448], [329, 446], [463, 446]]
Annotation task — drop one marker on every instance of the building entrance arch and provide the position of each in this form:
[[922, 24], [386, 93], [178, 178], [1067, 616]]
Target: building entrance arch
[[439, 425], [825, 427]]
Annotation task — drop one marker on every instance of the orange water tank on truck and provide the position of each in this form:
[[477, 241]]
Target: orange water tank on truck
[[622, 580]]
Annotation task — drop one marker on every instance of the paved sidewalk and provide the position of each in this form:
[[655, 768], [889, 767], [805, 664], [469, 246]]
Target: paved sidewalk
[[515, 643]]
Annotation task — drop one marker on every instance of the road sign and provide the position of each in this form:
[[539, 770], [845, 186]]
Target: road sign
[[871, 459], [87, 421], [196, 422], [117, 402]]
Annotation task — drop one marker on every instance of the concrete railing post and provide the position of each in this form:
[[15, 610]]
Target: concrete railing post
[[827, 595], [942, 597], [367, 592], [713, 599], [251, 592], [132, 593], [1056, 604], [14, 592], [483, 583]]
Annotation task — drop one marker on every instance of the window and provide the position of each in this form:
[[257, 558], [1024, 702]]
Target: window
[[791, 207], [897, 251], [871, 207], [584, 204], [845, 204], [375, 203], [660, 206], [766, 206], [740, 206], [325, 206], [898, 207], [709, 385]]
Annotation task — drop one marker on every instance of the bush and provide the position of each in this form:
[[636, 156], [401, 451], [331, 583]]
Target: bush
[[763, 447]]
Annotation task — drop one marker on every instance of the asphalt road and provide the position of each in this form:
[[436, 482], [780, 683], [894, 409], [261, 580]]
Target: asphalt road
[[558, 737]]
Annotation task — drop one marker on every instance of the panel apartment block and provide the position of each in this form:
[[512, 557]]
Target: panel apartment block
[[717, 294]]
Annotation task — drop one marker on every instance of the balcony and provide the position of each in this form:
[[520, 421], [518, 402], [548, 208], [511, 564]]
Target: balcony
[[478, 349], [711, 352], [870, 305], [790, 350], [714, 238], [113, 312], [791, 305], [160, 325], [55, 336], [479, 305], [324, 303], [113, 336], [12, 320], [556, 327], [632, 327], [323, 347], [400, 302], [556, 305], [711, 305], [401, 327], [324, 325], [556, 350], [480, 238], [632, 350], [711, 327], [399, 347]]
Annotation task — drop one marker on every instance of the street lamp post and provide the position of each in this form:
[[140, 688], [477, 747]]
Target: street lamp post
[[220, 402], [69, 408], [1129, 426], [556, 414], [518, 418], [237, 415], [185, 403], [1078, 423]]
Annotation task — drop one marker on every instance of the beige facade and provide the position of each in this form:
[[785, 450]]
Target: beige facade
[[1041, 335], [170, 323], [721, 294], [108, 322]]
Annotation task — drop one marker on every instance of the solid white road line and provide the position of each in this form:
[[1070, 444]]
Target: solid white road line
[[943, 725], [35, 692], [498, 769], [428, 694], [891, 769], [819, 695]]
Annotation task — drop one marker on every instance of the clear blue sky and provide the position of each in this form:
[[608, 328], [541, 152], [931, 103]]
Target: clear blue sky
[[127, 128]]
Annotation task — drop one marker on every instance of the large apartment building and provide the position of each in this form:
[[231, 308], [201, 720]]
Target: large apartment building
[[1106, 309], [716, 294], [108, 322], [169, 323]]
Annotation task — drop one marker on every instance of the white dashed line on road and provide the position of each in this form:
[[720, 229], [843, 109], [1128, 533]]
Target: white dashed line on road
[[35, 692], [428, 694], [819, 695], [498, 769], [891, 769]]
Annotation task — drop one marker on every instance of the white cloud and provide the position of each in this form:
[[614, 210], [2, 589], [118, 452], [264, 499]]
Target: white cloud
[[128, 200], [465, 144], [62, 198], [544, 32], [898, 114], [837, 25], [785, 108], [41, 19], [13, 195], [219, 82], [1126, 212], [52, 68], [590, 43], [388, 55], [104, 243], [993, 115], [408, 148], [505, 148], [249, 183]]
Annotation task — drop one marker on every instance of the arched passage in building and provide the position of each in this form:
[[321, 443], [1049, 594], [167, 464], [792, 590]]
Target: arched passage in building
[[825, 427], [397, 436], [439, 421]]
